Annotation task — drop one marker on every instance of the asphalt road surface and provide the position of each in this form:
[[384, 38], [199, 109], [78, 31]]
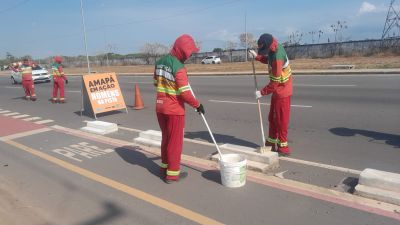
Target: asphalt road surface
[[347, 121]]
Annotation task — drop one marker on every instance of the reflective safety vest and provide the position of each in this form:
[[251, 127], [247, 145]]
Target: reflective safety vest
[[56, 71], [280, 54], [26, 72]]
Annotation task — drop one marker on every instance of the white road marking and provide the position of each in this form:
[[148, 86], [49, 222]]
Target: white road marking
[[20, 116], [11, 114], [74, 91], [254, 103], [139, 82], [4, 111], [24, 134], [44, 121], [32, 118], [325, 85], [12, 87]]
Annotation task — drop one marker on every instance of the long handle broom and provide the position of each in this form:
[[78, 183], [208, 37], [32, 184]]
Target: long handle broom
[[209, 129], [263, 148]]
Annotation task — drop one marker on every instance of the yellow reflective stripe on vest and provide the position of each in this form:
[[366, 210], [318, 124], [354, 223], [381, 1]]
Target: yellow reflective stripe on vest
[[163, 165], [184, 88], [286, 73], [168, 91], [271, 140], [173, 173]]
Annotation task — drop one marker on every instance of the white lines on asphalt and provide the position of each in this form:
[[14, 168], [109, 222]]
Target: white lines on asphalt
[[254, 103], [125, 128], [139, 82], [24, 134], [74, 91], [20, 116], [44, 121], [12, 87], [11, 114], [320, 165], [4, 111], [32, 118], [325, 85]]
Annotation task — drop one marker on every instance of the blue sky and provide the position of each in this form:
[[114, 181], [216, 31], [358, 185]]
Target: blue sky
[[44, 28]]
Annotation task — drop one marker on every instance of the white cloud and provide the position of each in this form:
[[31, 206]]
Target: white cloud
[[223, 35], [367, 7]]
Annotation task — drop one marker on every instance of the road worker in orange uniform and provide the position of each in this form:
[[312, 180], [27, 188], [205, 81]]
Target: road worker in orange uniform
[[27, 81], [173, 91], [273, 54], [58, 78]]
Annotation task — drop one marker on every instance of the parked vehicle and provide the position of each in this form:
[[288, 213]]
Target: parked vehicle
[[39, 74], [211, 60]]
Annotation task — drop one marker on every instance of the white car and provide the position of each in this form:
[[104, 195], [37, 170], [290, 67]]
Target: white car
[[39, 74], [211, 60]]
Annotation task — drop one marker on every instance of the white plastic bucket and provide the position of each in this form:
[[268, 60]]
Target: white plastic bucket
[[233, 170]]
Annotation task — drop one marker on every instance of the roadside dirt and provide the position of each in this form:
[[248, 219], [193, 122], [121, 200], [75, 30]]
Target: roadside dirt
[[375, 62]]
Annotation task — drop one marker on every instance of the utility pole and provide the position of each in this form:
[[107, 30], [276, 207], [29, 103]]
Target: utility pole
[[84, 37], [392, 24], [320, 32], [245, 31], [312, 35]]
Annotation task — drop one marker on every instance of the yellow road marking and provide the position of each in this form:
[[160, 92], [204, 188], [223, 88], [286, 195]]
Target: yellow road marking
[[176, 209]]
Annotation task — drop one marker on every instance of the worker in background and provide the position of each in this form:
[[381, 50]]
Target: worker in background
[[173, 91], [58, 80], [280, 86], [27, 81]]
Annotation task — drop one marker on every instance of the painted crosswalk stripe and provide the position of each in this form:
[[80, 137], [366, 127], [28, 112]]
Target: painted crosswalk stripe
[[253, 103], [32, 118], [44, 121], [5, 111], [11, 114], [20, 116]]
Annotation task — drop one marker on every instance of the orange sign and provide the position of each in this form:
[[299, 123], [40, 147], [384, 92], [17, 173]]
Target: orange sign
[[104, 92]]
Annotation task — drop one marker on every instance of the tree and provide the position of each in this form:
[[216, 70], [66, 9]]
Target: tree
[[153, 50], [10, 58], [217, 50], [230, 46], [251, 41]]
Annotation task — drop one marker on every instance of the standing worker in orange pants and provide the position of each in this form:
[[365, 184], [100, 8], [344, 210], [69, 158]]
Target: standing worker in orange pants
[[273, 54], [58, 78], [27, 81], [173, 91]]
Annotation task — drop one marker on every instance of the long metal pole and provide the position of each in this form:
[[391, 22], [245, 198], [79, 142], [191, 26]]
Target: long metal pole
[[87, 54], [245, 31]]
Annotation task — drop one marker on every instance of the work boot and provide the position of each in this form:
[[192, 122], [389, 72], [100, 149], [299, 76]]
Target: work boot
[[33, 98], [61, 100], [283, 151], [272, 145], [163, 173], [27, 98], [172, 179]]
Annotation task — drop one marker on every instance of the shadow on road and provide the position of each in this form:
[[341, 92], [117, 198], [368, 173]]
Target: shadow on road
[[390, 139], [112, 212], [140, 159], [212, 175], [220, 138]]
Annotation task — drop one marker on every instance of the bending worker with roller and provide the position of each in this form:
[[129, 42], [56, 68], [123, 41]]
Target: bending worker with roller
[[173, 91], [280, 86]]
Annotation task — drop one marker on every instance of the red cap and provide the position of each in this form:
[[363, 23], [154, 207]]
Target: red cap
[[58, 59]]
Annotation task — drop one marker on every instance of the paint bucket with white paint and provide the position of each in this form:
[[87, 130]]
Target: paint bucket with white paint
[[233, 170]]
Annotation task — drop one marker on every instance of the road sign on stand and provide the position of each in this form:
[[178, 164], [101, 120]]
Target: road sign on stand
[[103, 93]]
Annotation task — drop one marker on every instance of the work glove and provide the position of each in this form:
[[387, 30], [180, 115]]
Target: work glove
[[200, 109], [66, 81], [252, 54], [258, 94]]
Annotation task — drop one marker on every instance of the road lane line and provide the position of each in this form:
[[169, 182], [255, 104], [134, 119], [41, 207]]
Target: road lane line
[[44, 121], [20, 116], [325, 85], [26, 133], [32, 118], [74, 91], [321, 165], [313, 191], [4, 111], [169, 206], [254, 103], [11, 114]]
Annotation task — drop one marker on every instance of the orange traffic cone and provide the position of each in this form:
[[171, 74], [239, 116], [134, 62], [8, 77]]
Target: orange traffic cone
[[138, 99]]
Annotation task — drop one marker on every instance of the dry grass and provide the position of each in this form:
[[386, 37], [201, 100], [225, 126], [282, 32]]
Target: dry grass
[[375, 62]]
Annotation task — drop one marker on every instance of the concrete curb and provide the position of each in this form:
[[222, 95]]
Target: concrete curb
[[379, 185], [100, 127]]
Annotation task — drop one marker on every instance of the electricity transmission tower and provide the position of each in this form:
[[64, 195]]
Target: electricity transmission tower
[[392, 24]]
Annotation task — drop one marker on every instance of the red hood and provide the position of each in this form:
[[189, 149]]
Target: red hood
[[184, 47], [274, 45]]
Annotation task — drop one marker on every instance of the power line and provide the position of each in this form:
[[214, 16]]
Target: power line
[[14, 6]]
